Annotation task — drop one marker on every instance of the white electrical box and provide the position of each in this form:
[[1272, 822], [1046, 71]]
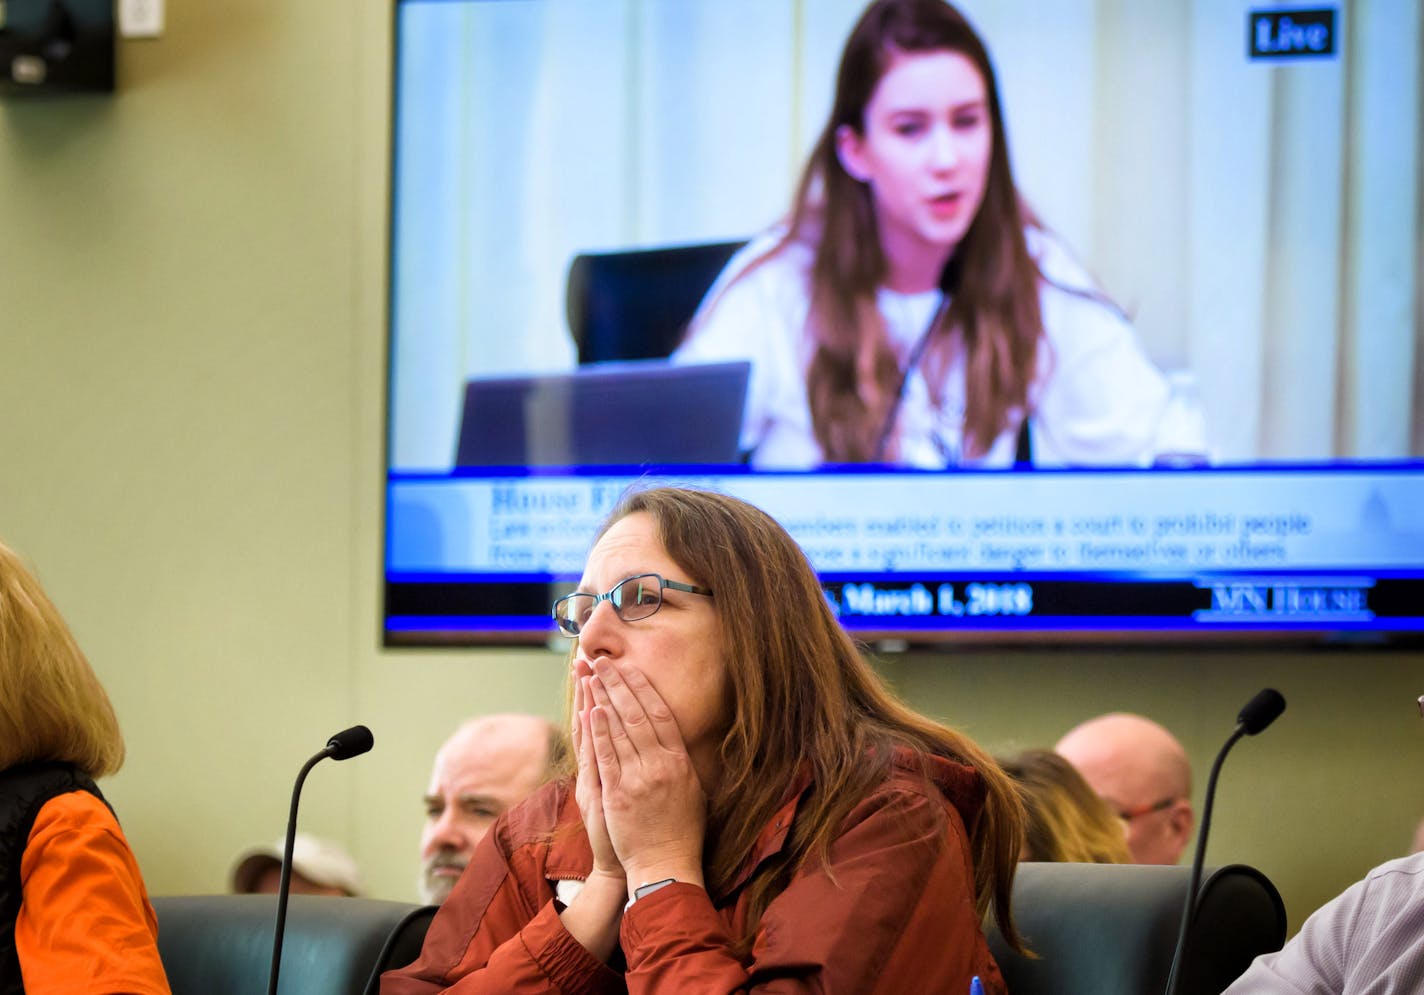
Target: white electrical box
[[140, 18]]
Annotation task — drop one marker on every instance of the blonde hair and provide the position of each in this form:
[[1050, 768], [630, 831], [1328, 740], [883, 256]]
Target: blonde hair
[[1067, 821], [52, 706]]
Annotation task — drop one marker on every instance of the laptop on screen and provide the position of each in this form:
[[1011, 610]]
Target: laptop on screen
[[625, 413]]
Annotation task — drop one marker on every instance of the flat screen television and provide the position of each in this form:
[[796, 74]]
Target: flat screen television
[[1241, 179]]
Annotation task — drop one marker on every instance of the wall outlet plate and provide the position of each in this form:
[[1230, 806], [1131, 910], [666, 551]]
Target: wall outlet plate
[[140, 18]]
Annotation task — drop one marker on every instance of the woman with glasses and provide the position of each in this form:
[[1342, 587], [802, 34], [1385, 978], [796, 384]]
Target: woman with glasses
[[747, 809]]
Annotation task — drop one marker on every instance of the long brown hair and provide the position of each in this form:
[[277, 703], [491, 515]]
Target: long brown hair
[[991, 281], [805, 700], [52, 706]]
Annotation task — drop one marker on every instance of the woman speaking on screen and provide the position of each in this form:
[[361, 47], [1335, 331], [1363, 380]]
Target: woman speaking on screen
[[750, 810], [912, 310]]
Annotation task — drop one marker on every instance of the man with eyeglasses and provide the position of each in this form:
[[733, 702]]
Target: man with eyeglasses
[[1143, 774]]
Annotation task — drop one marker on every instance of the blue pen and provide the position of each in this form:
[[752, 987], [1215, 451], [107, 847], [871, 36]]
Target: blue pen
[[976, 987]]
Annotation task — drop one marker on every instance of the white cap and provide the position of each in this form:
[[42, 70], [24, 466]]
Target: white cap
[[317, 860]]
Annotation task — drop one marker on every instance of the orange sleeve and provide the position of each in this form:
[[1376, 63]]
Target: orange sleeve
[[85, 926]]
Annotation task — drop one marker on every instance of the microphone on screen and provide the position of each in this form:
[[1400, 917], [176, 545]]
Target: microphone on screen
[[1254, 717], [344, 745]]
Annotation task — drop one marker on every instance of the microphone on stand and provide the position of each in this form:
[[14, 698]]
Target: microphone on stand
[[346, 744], [1257, 714]]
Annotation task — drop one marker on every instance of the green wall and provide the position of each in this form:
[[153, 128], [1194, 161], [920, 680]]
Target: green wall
[[192, 337]]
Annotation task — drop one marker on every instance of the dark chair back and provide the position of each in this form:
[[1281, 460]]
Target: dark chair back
[[222, 944], [637, 304], [1111, 929]]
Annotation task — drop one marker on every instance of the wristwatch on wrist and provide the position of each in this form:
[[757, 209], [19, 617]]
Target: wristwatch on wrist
[[644, 890]]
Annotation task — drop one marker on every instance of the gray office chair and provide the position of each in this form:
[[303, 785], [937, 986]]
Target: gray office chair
[[222, 944], [1111, 929]]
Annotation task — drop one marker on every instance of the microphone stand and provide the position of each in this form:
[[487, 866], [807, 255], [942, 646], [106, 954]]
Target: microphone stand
[[348, 743], [285, 884], [1189, 907], [1258, 713]]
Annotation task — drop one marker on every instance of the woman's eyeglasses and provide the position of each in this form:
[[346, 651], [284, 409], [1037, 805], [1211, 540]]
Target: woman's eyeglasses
[[632, 599]]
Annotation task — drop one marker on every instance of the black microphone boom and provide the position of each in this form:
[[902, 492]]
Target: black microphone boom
[[1257, 714], [346, 744]]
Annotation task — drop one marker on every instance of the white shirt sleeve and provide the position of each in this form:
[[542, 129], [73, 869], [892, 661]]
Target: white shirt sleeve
[[1369, 940], [1098, 400]]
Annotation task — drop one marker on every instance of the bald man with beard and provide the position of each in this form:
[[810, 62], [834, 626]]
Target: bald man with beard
[[489, 764], [1142, 772]]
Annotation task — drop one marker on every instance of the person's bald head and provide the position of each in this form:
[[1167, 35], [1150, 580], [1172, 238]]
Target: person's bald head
[[487, 765], [1142, 772]]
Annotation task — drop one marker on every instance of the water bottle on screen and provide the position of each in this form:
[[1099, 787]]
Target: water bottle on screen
[[1181, 431]]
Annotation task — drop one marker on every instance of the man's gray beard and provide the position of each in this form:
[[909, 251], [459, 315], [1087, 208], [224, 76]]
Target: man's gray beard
[[433, 890]]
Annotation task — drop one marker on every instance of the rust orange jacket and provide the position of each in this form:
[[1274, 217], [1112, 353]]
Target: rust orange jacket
[[895, 913]]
